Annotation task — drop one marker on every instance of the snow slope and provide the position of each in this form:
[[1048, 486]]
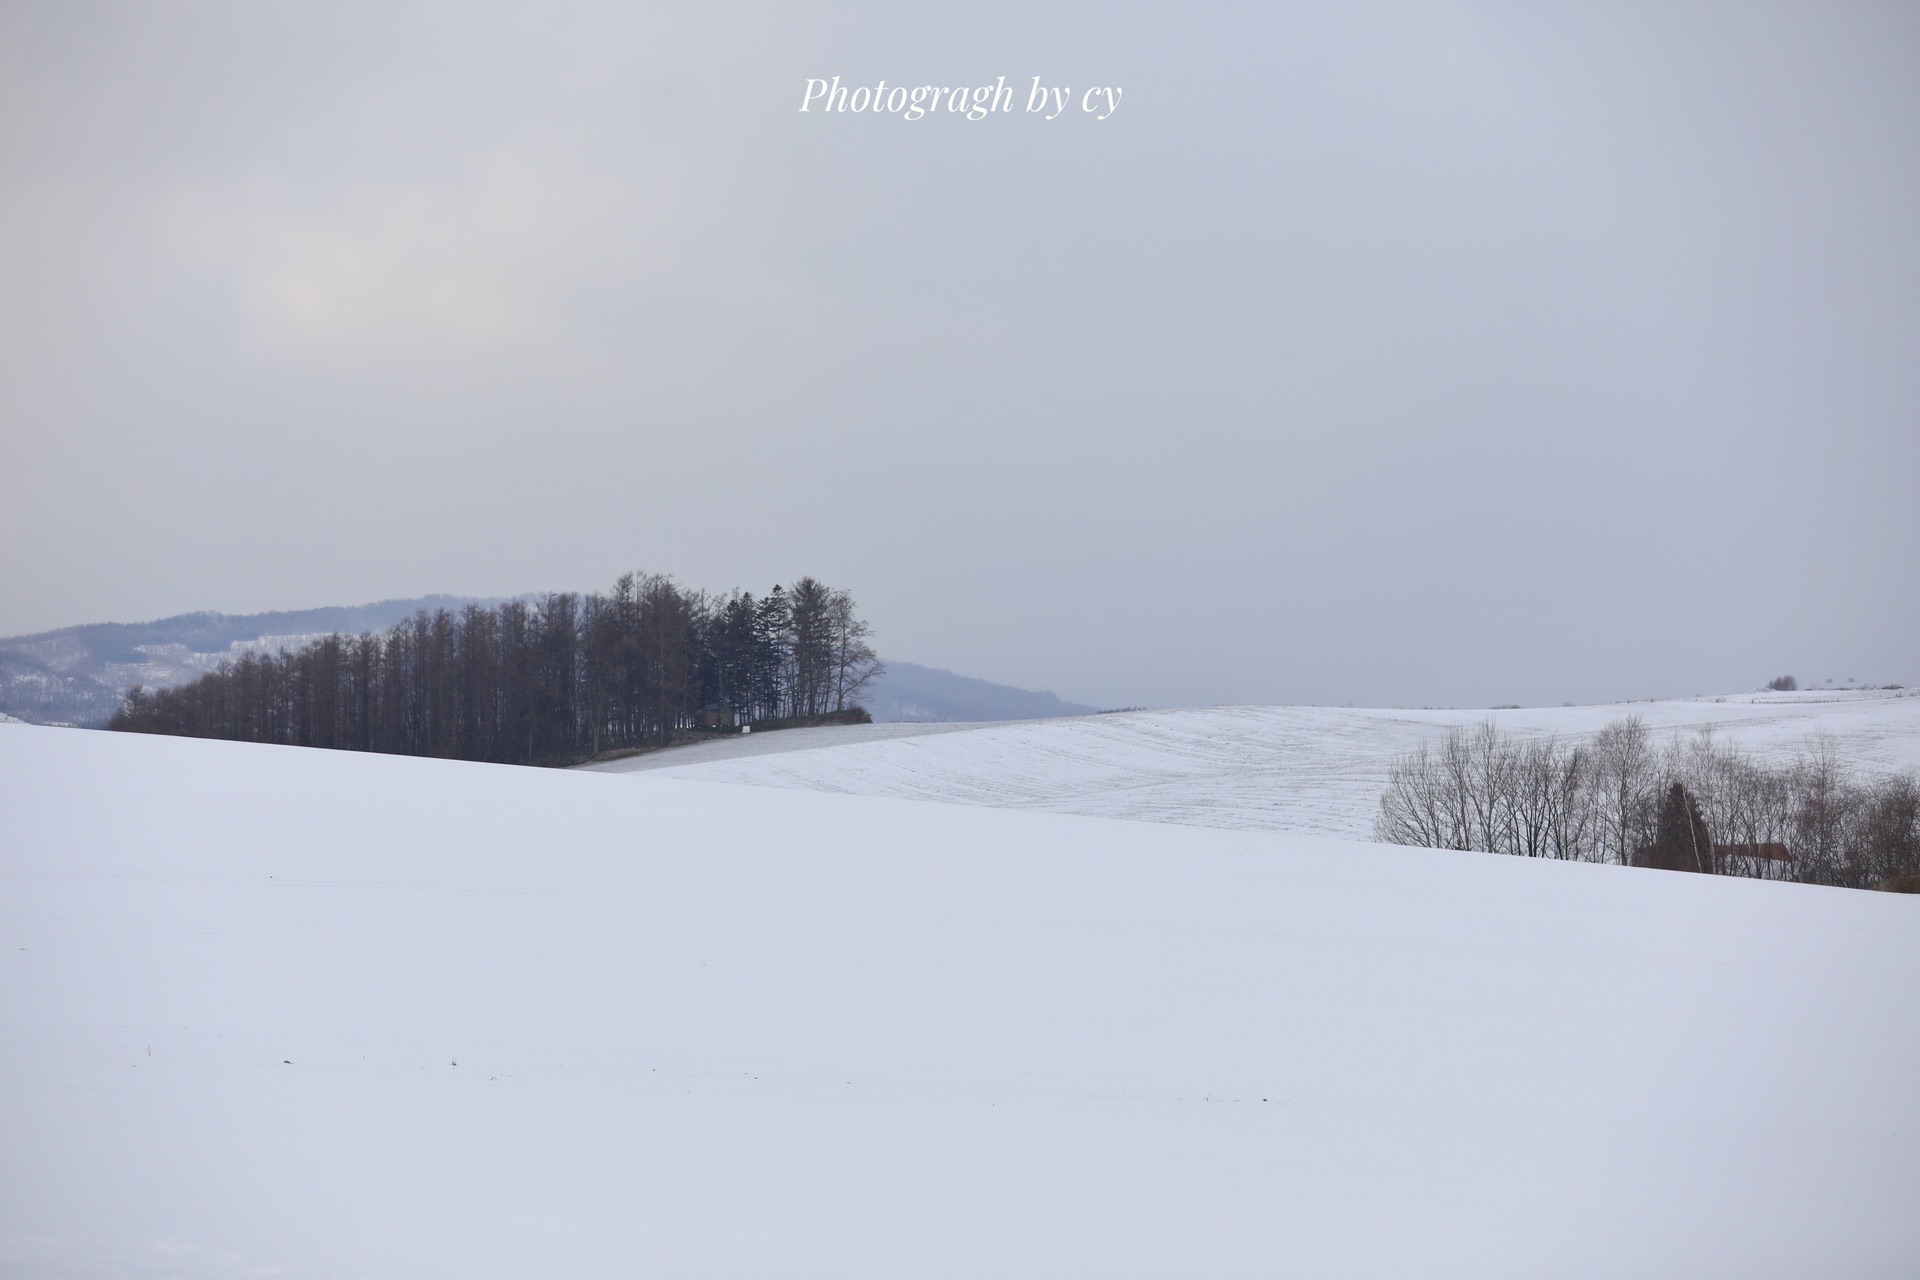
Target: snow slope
[[712, 1030], [1309, 769], [737, 746]]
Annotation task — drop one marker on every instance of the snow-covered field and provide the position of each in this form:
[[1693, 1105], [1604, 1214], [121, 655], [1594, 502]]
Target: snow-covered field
[[297, 1013], [780, 742], [1308, 769]]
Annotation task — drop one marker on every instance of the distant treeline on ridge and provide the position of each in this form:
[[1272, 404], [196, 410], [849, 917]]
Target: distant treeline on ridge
[[561, 679]]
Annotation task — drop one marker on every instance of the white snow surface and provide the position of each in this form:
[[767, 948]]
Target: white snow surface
[[739, 746], [1308, 769], [726, 1031]]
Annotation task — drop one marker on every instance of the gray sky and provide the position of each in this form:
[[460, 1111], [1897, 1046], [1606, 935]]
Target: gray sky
[[1441, 354]]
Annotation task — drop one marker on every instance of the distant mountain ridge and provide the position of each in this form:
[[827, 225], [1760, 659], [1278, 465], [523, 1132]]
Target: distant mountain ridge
[[915, 693], [78, 675]]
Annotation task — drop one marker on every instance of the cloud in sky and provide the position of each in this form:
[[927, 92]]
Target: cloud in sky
[[1428, 354]]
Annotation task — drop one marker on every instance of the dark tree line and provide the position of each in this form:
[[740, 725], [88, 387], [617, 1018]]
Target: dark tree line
[[536, 683], [1620, 797]]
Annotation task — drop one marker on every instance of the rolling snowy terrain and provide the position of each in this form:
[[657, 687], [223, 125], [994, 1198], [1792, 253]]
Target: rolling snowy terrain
[[1307, 769], [271, 1011]]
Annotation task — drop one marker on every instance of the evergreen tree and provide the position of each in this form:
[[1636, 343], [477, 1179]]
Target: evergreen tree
[[1681, 840]]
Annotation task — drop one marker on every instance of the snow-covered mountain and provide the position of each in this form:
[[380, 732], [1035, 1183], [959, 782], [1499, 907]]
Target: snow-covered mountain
[[78, 675], [911, 693]]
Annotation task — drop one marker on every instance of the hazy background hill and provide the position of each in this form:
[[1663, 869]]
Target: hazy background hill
[[78, 675], [911, 692]]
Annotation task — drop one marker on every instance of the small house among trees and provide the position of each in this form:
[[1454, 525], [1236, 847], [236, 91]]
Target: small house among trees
[[1771, 860]]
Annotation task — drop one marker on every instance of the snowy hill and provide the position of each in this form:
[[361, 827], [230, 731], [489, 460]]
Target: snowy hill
[[274, 1011], [1308, 769]]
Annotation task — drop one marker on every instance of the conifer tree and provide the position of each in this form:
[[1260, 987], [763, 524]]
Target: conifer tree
[[1681, 839]]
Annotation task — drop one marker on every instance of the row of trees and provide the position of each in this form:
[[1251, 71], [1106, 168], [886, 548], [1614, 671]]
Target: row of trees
[[1622, 797], [538, 682]]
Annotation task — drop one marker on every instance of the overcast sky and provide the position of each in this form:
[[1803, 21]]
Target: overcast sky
[[1441, 354]]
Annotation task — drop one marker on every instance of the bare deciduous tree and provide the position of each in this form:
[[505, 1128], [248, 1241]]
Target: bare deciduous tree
[[1695, 804]]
